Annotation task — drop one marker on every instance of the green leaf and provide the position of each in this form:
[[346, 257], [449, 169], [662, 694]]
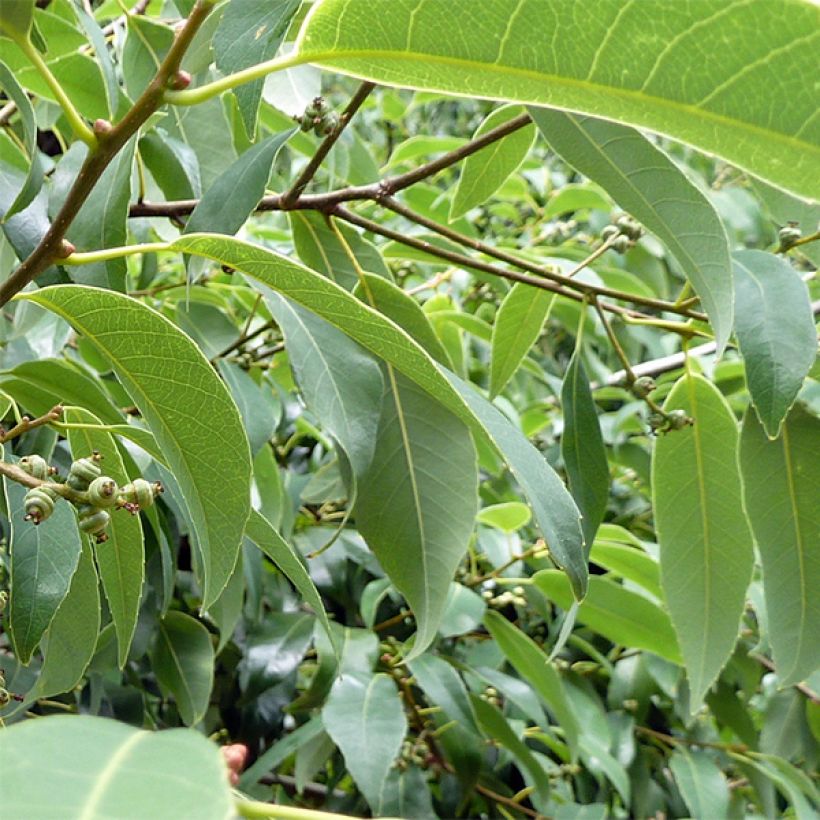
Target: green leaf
[[531, 664], [226, 610], [36, 170], [517, 325], [554, 508], [183, 661], [780, 480], [70, 641], [365, 718], [236, 192], [43, 561], [260, 531], [192, 416], [172, 163], [582, 448], [630, 563], [443, 687], [259, 408], [251, 32], [485, 171], [644, 181], [16, 17], [146, 45], [98, 768], [620, 615], [576, 196], [621, 68], [775, 330], [705, 543], [121, 558], [418, 498], [497, 729], [508, 516]]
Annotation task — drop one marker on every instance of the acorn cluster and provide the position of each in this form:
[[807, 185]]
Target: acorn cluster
[[318, 117], [623, 234], [93, 494]]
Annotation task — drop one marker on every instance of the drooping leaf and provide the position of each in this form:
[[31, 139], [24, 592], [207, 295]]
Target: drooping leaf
[[230, 200], [71, 639], [260, 413], [644, 181], [582, 448], [620, 615], [43, 561], [621, 68], [780, 480], [706, 547], [365, 718], [183, 661], [484, 172], [775, 331], [444, 687], [121, 558], [98, 767], [172, 163], [531, 663], [36, 170], [192, 416], [554, 508], [517, 325], [418, 498], [250, 33]]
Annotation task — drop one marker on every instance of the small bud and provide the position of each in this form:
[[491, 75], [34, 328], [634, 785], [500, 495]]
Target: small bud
[[789, 235], [102, 128], [677, 420], [643, 386], [656, 422], [609, 232], [179, 81], [65, 249], [622, 244]]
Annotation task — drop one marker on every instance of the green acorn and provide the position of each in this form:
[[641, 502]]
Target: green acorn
[[93, 520], [103, 491], [39, 504], [643, 386], [83, 471], [36, 466], [677, 420], [139, 494]]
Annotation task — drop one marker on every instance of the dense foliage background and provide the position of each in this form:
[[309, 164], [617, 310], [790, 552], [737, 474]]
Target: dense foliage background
[[488, 433]]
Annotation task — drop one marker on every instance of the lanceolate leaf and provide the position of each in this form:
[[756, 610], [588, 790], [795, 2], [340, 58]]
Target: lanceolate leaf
[[418, 499], [518, 324], [183, 661], [780, 481], [192, 416], [484, 172], [98, 766], [642, 179], [365, 718], [701, 782], [121, 558], [582, 448], [554, 508], [775, 331], [617, 613], [69, 644], [705, 543], [43, 561], [604, 60]]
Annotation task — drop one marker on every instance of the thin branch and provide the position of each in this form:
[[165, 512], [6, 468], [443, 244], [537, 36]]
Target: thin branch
[[295, 191], [53, 245], [803, 688]]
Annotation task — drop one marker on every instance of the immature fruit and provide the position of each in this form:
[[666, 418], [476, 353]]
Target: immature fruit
[[789, 234], [83, 471], [643, 386], [140, 494], [4, 599], [609, 232], [5, 698], [36, 466], [94, 521], [622, 244], [678, 419], [39, 504], [102, 492]]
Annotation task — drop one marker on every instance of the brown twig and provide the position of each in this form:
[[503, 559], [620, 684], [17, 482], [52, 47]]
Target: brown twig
[[25, 424]]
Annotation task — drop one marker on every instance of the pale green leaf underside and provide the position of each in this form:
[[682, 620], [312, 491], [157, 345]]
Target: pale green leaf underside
[[705, 543], [736, 79], [191, 414]]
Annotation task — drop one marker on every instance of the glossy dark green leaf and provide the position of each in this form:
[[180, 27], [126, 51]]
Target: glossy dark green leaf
[[531, 663], [644, 181], [163, 370], [249, 33], [34, 176], [365, 717], [780, 481], [619, 614], [775, 331], [484, 172], [71, 639], [183, 661], [230, 200], [607, 62], [517, 325], [43, 561], [582, 448], [418, 499], [121, 558], [706, 547], [628, 562]]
